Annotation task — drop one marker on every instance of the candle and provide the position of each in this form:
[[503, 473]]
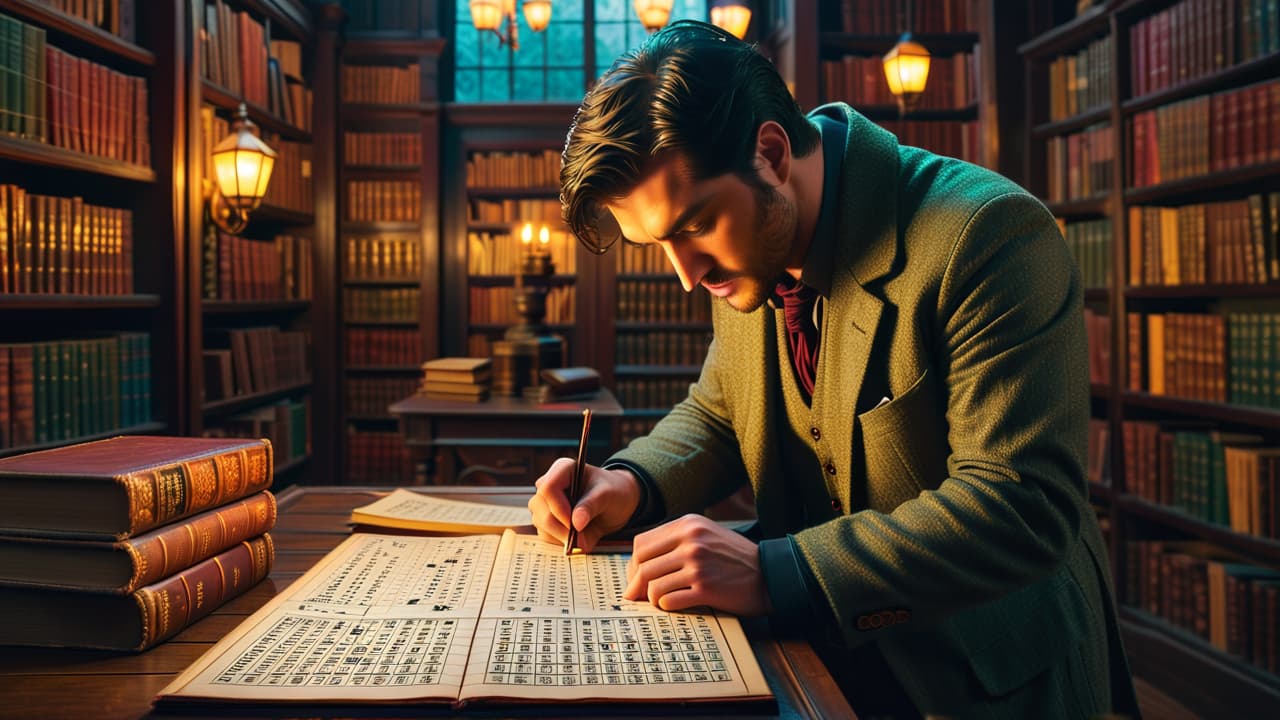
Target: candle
[[544, 241], [526, 237]]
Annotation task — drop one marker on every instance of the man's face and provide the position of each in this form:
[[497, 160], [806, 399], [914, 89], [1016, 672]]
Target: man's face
[[731, 236]]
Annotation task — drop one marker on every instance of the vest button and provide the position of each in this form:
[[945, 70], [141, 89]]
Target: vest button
[[830, 468], [835, 505], [816, 433]]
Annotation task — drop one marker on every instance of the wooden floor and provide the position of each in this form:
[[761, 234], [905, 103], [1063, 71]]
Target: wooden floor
[[1158, 706]]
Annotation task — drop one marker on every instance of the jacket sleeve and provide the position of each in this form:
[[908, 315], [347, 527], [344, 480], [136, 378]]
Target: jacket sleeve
[[692, 453], [1010, 351]]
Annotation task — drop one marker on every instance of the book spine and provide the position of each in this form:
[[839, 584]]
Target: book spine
[[162, 553], [163, 494], [178, 601]]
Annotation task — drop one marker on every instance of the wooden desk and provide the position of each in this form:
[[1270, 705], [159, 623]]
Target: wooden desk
[[83, 684], [502, 441]]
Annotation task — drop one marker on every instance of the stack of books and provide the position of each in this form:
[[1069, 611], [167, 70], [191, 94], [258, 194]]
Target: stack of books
[[121, 543], [464, 379]]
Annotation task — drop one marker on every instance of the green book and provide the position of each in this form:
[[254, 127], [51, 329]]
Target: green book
[[17, 98], [32, 85], [41, 391], [5, 109]]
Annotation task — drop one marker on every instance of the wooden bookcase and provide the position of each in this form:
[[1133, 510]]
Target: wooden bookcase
[[258, 317], [503, 177], [832, 52], [1182, 320], [390, 208], [623, 314], [91, 260]]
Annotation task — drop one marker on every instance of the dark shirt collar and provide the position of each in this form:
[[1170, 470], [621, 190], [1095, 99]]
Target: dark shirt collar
[[816, 272]]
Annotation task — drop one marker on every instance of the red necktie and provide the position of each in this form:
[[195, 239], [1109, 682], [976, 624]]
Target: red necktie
[[802, 334]]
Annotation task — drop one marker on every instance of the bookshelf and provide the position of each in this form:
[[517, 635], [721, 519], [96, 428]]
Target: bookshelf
[[88, 298], [834, 53], [661, 337], [254, 296], [1152, 132], [507, 176], [390, 127]]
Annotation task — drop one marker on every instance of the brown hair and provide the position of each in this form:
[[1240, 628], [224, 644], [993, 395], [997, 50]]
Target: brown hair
[[691, 88]]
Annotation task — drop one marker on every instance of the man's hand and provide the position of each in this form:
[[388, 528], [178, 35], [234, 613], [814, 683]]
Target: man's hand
[[609, 499], [693, 561]]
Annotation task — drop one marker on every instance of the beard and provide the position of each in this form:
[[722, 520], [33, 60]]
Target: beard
[[775, 224]]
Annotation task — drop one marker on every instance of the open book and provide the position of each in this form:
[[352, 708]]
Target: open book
[[471, 619], [407, 510]]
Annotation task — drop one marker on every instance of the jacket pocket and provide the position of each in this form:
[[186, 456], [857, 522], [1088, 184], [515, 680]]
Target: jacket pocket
[[904, 443]]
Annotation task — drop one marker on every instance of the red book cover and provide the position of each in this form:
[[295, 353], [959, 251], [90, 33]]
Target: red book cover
[[1232, 132], [22, 406], [1248, 125], [1263, 119]]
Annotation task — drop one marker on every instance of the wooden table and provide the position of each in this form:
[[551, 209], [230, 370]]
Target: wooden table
[[94, 685], [502, 441]]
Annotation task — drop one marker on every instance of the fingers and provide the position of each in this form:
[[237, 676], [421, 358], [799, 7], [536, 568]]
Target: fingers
[[694, 562], [549, 504], [654, 573]]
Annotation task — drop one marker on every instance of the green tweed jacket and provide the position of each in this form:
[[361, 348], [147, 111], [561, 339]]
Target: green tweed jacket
[[969, 553]]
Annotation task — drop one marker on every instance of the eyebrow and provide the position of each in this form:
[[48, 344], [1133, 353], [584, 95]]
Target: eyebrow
[[685, 217]]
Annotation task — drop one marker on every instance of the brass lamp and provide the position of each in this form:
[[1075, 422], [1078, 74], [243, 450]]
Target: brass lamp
[[653, 14], [733, 16], [499, 17], [242, 166], [529, 346], [906, 68]]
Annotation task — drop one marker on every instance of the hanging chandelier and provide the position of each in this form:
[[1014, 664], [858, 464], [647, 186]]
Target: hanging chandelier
[[733, 16], [653, 14], [499, 17]]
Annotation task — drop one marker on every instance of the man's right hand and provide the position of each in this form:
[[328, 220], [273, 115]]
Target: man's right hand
[[609, 499]]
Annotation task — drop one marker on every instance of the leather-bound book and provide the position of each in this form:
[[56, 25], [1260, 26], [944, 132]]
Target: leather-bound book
[[124, 566], [119, 487], [138, 620]]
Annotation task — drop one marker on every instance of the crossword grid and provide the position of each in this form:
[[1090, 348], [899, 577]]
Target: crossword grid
[[301, 650], [375, 575], [646, 650]]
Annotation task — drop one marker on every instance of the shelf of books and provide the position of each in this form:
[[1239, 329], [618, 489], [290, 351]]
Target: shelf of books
[[661, 337], [945, 119], [1161, 132], [79, 183], [512, 216], [390, 137], [256, 288]]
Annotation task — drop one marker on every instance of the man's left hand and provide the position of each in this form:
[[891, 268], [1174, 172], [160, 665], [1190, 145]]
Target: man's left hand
[[693, 561]]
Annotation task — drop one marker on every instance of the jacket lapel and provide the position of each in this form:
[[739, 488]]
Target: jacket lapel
[[867, 246]]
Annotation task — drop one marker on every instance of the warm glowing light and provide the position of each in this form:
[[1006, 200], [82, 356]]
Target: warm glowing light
[[906, 68], [538, 14], [526, 235], [242, 164], [653, 14], [734, 16], [544, 236], [486, 14]]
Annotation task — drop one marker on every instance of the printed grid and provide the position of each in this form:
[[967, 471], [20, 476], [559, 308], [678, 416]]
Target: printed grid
[[647, 650], [302, 650]]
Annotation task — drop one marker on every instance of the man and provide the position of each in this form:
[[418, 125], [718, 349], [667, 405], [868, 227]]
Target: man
[[898, 370]]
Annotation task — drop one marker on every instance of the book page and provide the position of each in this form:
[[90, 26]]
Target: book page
[[380, 618], [557, 627], [414, 511]]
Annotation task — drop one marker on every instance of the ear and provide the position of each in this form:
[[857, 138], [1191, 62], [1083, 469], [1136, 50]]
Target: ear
[[773, 153]]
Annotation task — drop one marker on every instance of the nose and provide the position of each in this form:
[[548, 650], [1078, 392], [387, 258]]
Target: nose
[[690, 265]]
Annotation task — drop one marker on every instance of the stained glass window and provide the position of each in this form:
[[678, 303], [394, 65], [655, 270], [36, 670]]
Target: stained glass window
[[618, 28], [549, 66]]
